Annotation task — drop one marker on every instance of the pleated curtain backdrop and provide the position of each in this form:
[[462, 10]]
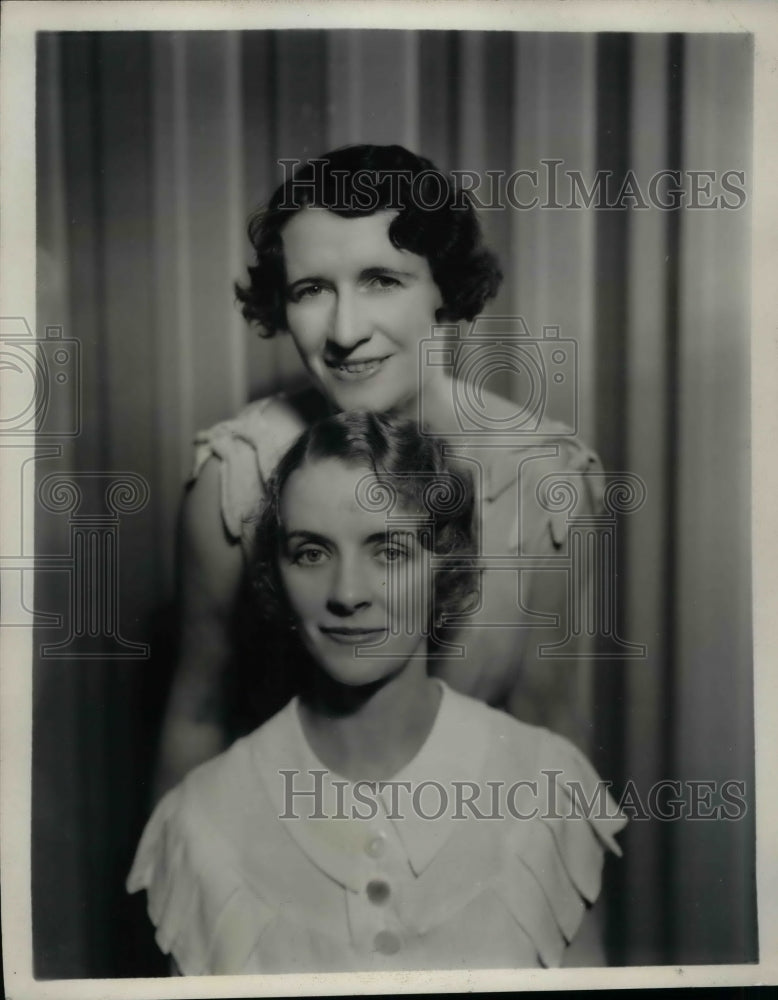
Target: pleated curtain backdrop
[[152, 149]]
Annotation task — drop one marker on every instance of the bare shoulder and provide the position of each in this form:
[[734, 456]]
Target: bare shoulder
[[207, 549], [200, 508]]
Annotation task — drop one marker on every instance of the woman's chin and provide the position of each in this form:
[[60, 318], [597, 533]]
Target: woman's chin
[[378, 393], [364, 674]]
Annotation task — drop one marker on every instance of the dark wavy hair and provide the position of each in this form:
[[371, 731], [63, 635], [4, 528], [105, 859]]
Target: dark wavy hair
[[411, 473], [435, 219]]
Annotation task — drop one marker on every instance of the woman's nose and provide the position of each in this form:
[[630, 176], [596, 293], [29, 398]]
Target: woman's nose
[[349, 590], [348, 325]]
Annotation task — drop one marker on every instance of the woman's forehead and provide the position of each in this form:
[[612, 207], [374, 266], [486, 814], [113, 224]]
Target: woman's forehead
[[341, 494], [316, 237]]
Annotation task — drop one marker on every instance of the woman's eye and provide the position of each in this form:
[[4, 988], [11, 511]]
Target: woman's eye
[[383, 281], [306, 292], [392, 554], [309, 557]]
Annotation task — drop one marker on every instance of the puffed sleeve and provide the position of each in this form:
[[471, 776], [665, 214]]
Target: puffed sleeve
[[205, 917], [553, 862], [567, 481], [237, 444], [248, 448]]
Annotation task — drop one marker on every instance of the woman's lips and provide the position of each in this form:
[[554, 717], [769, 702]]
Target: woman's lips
[[353, 636], [356, 369]]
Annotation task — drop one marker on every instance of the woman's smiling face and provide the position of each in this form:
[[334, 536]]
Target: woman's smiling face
[[360, 593], [358, 308]]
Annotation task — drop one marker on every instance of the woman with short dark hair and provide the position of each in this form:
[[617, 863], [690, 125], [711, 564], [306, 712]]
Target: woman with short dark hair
[[433, 219], [362, 256]]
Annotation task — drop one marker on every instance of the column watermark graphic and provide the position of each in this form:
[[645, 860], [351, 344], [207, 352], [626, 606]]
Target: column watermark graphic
[[41, 412], [590, 564], [92, 562]]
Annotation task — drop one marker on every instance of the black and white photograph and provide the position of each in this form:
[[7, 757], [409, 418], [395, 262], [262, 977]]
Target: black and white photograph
[[381, 438]]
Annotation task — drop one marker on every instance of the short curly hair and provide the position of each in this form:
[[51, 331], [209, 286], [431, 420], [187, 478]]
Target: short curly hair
[[411, 473], [435, 219]]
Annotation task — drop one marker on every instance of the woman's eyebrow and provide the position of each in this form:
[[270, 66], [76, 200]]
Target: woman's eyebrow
[[301, 535], [307, 279], [378, 271], [375, 271], [391, 534]]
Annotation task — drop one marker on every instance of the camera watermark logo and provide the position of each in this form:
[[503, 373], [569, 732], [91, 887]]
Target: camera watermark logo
[[543, 371], [42, 382]]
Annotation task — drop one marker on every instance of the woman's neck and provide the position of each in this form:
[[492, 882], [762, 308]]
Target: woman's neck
[[370, 733], [436, 407]]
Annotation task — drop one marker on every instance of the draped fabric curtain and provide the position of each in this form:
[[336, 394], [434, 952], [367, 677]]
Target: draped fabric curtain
[[152, 149]]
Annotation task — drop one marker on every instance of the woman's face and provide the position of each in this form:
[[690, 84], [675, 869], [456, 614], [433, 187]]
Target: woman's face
[[360, 593], [357, 308]]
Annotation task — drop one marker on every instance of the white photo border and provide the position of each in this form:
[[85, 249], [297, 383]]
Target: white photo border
[[21, 19]]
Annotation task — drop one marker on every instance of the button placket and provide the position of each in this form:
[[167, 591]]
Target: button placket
[[369, 919], [375, 925]]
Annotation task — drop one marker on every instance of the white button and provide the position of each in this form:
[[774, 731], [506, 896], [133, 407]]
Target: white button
[[376, 846]]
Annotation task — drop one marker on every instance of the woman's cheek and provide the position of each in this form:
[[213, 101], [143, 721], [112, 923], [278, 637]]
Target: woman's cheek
[[301, 589], [304, 324]]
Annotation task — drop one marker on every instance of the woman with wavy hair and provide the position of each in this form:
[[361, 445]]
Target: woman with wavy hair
[[380, 820], [361, 257]]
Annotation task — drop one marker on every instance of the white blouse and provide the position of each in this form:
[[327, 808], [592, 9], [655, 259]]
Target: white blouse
[[484, 851]]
